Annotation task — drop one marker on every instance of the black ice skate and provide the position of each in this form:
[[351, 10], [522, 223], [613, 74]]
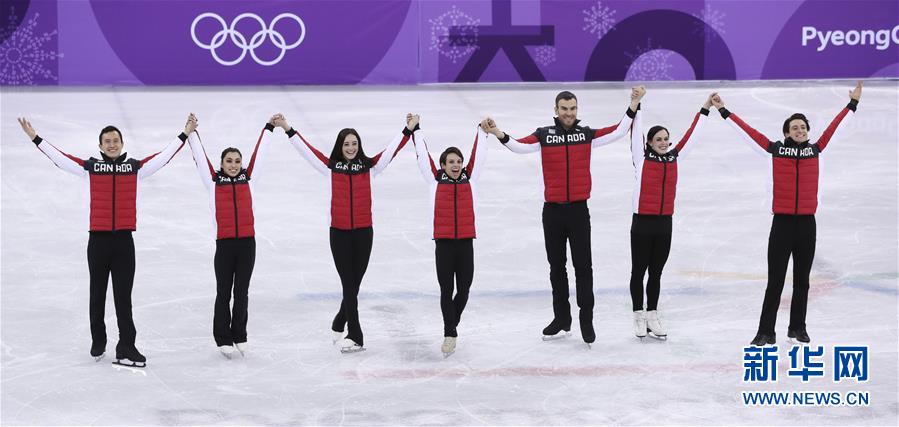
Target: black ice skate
[[98, 351], [798, 336], [761, 340], [130, 357], [557, 330], [587, 332]]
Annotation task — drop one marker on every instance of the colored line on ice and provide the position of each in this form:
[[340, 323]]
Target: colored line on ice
[[539, 371]]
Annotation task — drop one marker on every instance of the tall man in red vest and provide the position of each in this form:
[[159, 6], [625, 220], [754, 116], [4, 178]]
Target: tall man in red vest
[[113, 216], [565, 149]]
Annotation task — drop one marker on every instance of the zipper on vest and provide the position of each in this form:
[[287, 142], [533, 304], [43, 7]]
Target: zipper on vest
[[234, 194], [456, 210], [567, 174], [113, 197], [352, 220], [796, 210], [664, 177]]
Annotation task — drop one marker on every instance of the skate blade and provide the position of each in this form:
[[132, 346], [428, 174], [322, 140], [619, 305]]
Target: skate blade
[[446, 355], [589, 346], [348, 350], [794, 341], [657, 337], [556, 337], [227, 356], [128, 367], [99, 358]]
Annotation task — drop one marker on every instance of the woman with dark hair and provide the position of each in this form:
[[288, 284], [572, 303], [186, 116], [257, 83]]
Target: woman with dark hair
[[230, 191], [795, 172], [350, 170], [452, 189], [655, 166]]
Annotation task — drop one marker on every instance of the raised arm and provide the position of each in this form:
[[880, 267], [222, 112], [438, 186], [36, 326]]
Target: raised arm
[[318, 160], [695, 127], [204, 166], [845, 116], [379, 162], [478, 155], [528, 144], [155, 162], [756, 140], [424, 160], [261, 147], [638, 141], [613, 133], [66, 162]]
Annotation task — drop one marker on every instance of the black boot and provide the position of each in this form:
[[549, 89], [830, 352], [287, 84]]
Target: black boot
[[98, 349], [130, 354], [761, 339], [586, 321], [799, 335], [557, 326]]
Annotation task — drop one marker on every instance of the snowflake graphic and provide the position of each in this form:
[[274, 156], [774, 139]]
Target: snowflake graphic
[[24, 55], [649, 63], [599, 19], [544, 55], [461, 22], [711, 17]]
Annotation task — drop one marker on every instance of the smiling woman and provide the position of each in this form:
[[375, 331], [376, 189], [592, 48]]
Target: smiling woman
[[351, 230], [231, 199]]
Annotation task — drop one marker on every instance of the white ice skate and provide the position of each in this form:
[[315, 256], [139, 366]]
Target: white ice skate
[[448, 347], [654, 325], [336, 337], [227, 351], [349, 346], [243, 348], [640, 324]]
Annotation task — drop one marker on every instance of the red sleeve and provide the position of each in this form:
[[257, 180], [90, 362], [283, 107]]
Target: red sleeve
[[471, 158], [828, 133], [377, 157], [604, 131], [255, 150], [683, 141], [756, 136]]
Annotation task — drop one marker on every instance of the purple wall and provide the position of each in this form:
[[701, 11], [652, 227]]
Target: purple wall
[[156, 42]]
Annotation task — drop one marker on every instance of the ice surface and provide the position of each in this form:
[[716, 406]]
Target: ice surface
[[502, 373]]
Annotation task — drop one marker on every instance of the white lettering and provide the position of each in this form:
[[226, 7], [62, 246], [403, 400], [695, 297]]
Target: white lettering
[[880, 39], [111, 167]]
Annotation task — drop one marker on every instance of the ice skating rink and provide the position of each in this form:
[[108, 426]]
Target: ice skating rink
[[502, 373]]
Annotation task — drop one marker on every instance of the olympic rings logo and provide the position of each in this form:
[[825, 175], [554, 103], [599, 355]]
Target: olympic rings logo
[[239, 40]]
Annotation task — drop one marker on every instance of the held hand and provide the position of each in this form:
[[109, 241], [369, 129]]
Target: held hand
[[27, 128], [191, 124], [412, 120], [280, 121], [857, 92], [717, 101], [708, 102], [637, 93]]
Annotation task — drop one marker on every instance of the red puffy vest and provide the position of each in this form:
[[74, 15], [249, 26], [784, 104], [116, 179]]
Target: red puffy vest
[[658, 185], [113, 189], [233, 206], [453, 207], [350, 195]]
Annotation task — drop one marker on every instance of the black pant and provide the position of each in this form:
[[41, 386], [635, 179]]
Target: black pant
[[790, 235], [111, 252], [234, 261], [650, 244], [455, 269], [569, 223], [351, 250]]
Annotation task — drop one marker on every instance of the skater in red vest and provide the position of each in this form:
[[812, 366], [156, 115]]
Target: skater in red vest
[[565, 150], [655, 165], [351, 171], [230, 189], [113, 179], [452, 194], [794, 202]]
